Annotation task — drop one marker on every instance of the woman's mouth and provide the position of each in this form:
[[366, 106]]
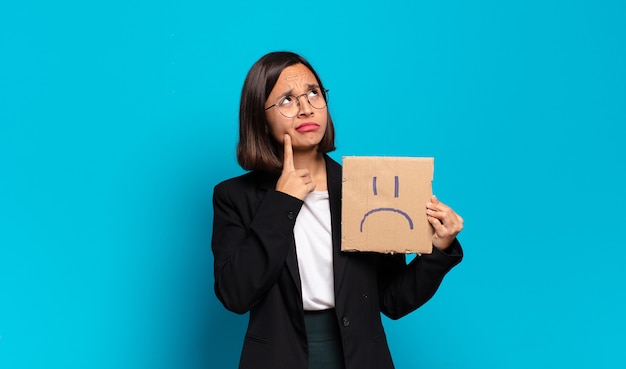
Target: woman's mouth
[[307, 127]]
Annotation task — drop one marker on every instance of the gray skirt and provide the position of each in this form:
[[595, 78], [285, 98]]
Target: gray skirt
[[322, 330]]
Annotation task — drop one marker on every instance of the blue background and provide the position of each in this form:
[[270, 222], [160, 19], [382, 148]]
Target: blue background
[[117, 118]]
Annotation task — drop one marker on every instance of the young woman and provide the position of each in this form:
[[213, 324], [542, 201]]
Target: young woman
[[276, 237]]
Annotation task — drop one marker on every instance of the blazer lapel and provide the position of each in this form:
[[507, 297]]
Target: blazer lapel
[[334, 181]]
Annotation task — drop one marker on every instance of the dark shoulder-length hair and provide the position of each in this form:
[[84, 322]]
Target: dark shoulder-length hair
[[257, 150]]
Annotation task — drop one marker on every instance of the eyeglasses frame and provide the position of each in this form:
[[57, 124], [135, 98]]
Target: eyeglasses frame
[[324, 94]]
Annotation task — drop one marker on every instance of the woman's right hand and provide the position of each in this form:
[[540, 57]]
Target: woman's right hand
[[294, 182]]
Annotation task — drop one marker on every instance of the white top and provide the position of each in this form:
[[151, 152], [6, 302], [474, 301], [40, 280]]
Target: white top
[[314, 247]]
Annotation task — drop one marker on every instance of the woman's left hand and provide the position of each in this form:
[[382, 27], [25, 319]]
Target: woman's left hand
[[446, 223]]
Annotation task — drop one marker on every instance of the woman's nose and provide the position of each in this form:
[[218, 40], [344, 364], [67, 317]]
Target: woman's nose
[[305, 107]]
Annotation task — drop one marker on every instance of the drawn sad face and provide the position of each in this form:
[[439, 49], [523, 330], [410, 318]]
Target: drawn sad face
[[396, 195], [384, 204]]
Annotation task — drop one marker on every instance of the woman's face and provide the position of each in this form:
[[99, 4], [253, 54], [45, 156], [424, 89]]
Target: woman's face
[[308, 124]]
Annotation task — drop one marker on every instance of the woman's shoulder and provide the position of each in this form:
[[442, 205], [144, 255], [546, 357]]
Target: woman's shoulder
[[253, 179], [331, 164]]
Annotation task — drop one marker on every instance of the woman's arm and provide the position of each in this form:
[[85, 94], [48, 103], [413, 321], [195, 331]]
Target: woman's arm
[[404, 288], [249, 244]]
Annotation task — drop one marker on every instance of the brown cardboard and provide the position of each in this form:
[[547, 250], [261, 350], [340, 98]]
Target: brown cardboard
[[384, 204]]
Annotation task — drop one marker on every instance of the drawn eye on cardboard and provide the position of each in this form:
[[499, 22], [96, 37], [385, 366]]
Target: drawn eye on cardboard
[[384, 204]]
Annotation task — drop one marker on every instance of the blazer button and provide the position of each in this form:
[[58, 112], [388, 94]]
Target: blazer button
[[290, 215], [345, 321]]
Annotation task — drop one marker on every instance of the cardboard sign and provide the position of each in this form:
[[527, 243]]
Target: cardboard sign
[[384, 204]]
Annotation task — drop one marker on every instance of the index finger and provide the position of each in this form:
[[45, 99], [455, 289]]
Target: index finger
[[288, 158], [436, 204]]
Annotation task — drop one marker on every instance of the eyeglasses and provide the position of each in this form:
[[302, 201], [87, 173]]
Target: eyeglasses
[[289, 106]]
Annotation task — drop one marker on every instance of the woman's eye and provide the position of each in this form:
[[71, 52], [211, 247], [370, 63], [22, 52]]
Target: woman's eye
[[286, 100], [314, 92]]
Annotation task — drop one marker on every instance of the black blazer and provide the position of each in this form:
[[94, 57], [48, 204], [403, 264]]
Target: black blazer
[[256, 271]]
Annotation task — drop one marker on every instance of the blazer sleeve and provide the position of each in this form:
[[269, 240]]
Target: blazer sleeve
[[404, 288], [250, 243]]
